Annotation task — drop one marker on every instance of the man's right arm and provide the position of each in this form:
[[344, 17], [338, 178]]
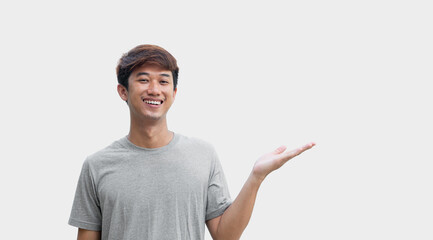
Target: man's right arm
[[84, 234]]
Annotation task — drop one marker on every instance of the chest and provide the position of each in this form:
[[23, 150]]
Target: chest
[[144, 181]]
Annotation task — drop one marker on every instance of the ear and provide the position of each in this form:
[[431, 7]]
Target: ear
[[123, 93], [174, 93]]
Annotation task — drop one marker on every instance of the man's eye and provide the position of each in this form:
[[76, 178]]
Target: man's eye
[[164, 82], [142, 80]]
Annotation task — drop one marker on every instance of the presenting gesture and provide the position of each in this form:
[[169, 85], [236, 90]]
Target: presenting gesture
[[275, 159], [234, 220]]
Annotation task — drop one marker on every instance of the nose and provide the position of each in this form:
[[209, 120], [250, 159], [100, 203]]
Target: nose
[[154, 88]]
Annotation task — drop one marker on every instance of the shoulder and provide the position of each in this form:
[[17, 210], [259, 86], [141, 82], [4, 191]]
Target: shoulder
[[112, 151], [187, 142]]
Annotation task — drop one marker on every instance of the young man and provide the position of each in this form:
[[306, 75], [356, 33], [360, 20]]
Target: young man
[[156, 184]]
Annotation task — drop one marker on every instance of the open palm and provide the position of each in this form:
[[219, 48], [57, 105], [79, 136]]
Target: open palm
[[275, 159]]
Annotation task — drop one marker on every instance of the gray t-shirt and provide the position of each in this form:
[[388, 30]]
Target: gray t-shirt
[[129, 192]]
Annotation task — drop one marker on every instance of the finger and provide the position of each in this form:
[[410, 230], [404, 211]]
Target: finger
[[296, 152], [280, 149]]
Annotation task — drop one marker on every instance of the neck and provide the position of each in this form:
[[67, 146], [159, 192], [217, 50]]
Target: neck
[[150, 134]]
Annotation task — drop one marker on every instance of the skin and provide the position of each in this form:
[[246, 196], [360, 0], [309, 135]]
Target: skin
[[149, 129], [84, 234]]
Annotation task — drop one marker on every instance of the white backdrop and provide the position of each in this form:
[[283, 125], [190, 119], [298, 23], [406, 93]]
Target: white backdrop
[[350, 75]]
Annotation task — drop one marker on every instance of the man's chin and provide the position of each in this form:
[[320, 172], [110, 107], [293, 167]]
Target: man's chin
[[153, 117], [149, 116]]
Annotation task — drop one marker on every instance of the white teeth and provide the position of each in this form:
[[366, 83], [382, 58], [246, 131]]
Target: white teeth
[[153, 102]]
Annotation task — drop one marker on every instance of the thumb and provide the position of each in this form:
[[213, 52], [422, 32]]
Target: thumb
[[280, 149]]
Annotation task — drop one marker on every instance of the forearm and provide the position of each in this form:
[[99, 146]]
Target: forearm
[[235, 219]]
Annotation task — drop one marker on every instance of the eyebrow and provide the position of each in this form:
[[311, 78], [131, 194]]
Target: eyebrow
[[147, 74]]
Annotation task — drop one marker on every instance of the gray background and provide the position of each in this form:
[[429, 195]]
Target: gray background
[[350, 75]]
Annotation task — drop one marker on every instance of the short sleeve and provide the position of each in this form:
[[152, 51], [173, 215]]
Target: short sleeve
[[86, 211], [218, 197]]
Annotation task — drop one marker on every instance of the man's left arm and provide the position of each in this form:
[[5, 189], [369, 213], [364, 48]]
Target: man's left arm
[[234, 220]]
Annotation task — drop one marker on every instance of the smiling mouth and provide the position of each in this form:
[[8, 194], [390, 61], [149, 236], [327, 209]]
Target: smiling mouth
[[153, 102]]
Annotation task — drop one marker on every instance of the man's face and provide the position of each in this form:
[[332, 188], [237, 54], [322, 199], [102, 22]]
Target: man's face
[[150, 92]]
